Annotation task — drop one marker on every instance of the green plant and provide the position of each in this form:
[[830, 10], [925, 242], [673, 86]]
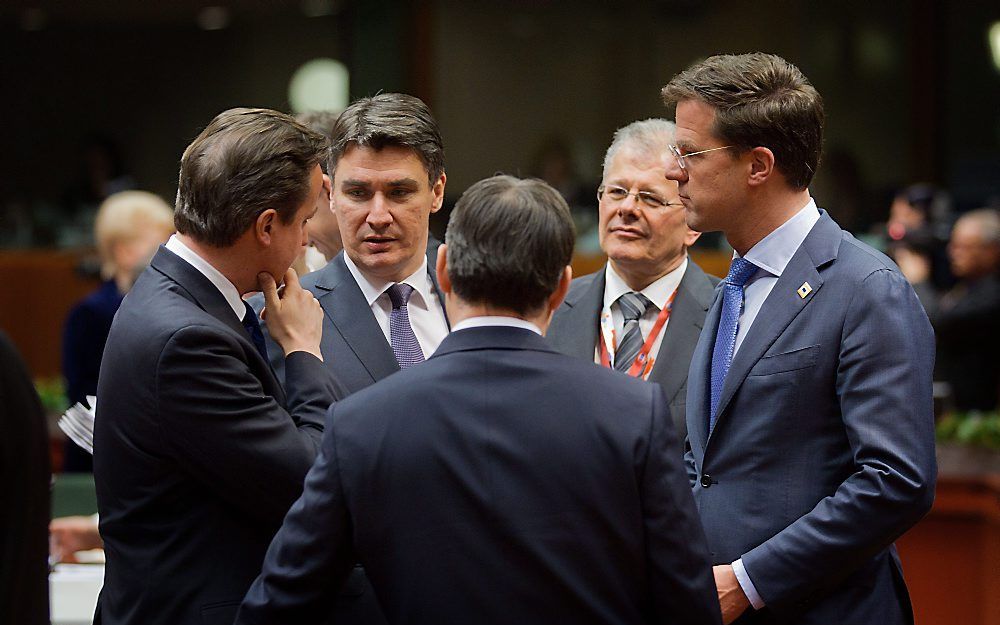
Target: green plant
[[52, 392], [981, 429]]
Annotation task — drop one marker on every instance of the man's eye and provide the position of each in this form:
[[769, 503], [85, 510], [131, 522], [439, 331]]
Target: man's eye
[[356, 194], [617, 193], [653, 201], [400, 193]]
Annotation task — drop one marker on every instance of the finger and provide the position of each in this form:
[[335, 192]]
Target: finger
[[292, 280], [269, 288]]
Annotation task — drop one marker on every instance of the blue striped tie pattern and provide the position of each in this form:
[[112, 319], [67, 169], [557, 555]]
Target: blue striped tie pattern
[[633, 305], [404, 341], [725, 339]]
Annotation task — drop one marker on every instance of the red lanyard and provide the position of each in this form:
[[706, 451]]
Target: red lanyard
[[643, 364]]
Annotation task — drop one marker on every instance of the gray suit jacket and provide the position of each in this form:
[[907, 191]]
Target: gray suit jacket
[[353, 345], [822, 453], [574, 330]]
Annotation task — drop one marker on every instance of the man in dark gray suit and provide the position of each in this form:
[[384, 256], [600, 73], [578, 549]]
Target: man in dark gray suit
[[383, 309], [643, 232], [387, 177], [501, 481], [810, 420]]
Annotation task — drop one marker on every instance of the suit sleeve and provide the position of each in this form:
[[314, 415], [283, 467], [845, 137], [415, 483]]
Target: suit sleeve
[[312, 554], [883, 383], [680, 570], [226, 431]]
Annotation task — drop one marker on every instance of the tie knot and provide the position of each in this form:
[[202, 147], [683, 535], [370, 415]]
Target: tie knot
[[740, 271], [399, 294], [633, 305]]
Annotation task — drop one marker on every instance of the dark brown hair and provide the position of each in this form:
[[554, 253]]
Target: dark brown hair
[[244, 162], [508, 243], [390, 119], [759, 100]]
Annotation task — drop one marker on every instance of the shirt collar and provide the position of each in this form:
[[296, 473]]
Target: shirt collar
[[658, 292], [373, 288], [493, 321], [773, 252], [221, 282]]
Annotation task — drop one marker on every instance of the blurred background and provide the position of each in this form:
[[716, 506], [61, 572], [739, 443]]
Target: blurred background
[[103, 96]]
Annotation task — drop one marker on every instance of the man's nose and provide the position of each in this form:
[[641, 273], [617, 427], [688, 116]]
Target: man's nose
[[675, 171], [379, 215]]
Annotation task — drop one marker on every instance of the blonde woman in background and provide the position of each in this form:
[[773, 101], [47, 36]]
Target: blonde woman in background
[[130, 225]]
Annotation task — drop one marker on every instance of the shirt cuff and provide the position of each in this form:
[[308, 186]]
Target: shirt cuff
[[748, 588]]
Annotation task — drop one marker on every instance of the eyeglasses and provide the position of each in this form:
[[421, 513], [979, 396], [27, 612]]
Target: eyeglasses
[[617, 195], [680, 157]]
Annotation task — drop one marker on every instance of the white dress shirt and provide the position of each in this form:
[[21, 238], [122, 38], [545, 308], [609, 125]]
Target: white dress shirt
[[489, 321], [426, 314], [658, 293], [771, 255], [221, 282]]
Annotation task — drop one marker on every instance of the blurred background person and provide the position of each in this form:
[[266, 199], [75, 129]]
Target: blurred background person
[[967, 321], [24, 502], [323, 231], [922, 212], [129, 227], [914, 254]]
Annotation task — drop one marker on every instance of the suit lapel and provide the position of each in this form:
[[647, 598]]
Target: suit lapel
[[580, 318], [783, 304], [208, 297], [694, 296], [699, 380], [348, 310]]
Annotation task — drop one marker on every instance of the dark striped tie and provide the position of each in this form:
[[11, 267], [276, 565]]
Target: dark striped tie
[[633, 305], [404, 341]]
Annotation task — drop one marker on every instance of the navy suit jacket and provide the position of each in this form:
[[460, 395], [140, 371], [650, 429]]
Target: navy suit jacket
[[499, 482], [823, 450], [198, 451], [575, 331]]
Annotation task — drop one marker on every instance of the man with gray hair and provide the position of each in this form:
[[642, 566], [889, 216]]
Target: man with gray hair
[[968, 319], [643, 313], [501, 481]]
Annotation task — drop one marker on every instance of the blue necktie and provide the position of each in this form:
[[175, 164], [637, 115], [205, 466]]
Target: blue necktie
[[253, 329], [725, 339], [404, 341]]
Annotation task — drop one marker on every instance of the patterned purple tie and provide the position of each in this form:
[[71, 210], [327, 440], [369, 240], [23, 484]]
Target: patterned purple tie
[[404, 341], [725, 339]]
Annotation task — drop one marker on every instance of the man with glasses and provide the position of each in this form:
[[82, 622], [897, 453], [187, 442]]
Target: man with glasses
[[642, 315], [810, 420]]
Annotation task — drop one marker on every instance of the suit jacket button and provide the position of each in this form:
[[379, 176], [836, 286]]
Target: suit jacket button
[[706, 480]]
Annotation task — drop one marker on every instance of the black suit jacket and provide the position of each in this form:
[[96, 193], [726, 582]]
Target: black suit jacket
[[575, 331], [499, 482], [24, 499], [198, 451]]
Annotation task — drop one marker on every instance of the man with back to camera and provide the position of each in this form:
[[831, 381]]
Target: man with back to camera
[[383, 309], [644, 312], [198, 451], [500, 481], [810, 420]]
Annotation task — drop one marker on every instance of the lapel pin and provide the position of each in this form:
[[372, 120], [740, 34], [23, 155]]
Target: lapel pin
[[804, 290]]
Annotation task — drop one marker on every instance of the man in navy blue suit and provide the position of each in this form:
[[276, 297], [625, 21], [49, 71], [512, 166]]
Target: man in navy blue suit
[[198, 450], [500, 481], [810, 421]]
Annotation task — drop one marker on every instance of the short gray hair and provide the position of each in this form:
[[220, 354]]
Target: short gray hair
[[648, 137], [988, 222]]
